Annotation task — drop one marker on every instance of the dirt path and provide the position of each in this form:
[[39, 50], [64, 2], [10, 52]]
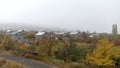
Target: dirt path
[[27, 62]]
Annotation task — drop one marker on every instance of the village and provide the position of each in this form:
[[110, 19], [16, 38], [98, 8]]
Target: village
[[24, 36]]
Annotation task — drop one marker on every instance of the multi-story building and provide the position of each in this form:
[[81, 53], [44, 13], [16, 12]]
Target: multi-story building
[[114, 29]]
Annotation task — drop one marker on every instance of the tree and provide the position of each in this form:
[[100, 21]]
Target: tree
[[7, 43], [79, 52], [23, 48], [45, 48], [29, 35], [33, 46], [104, 54]]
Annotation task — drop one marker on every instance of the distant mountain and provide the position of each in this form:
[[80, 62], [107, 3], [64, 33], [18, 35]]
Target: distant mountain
[[27, 27]]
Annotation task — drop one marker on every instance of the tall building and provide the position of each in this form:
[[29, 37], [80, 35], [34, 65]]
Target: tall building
[[114, 29]]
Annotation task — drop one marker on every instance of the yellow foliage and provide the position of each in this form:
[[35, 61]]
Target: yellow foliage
[[7, 43], [23, 48], [104, 54]]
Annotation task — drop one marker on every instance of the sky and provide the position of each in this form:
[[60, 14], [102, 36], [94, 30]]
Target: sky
[[83, 15]]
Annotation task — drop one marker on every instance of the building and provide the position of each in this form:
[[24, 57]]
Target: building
[[114, 29], [39, 35]]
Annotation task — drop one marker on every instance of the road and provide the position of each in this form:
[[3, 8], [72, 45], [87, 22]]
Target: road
[[27, 62]]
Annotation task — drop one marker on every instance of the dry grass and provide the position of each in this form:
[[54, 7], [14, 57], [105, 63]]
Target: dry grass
[[6, 52], [9, 64]]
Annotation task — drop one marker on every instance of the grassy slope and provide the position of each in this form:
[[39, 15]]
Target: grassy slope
[[10, 64]]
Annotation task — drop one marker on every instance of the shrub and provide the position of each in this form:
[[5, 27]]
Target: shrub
[[78, 65], [30, 56], [57, 61]]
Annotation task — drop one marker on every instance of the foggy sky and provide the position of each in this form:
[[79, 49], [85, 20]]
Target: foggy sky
[[92, 15]]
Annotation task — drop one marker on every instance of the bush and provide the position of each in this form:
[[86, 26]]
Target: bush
[[30, 56], [78, 65], [81, 65], [57, 61], [2, 61]]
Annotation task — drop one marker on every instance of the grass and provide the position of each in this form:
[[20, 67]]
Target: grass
[[10, 64]]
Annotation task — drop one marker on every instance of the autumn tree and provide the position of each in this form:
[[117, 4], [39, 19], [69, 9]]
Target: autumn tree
[[22, 50], [45, 48], [104, 55], [33, 46], [7, 43], [29, 35]]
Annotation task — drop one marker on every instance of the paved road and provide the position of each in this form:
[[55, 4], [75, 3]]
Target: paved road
[[27, 62]]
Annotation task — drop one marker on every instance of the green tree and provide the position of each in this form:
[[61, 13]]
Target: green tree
[[79, 52]]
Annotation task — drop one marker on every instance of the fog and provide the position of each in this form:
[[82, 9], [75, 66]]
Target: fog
[[92, 15]]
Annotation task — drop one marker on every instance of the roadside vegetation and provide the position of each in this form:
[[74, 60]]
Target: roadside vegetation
[[9, 64]]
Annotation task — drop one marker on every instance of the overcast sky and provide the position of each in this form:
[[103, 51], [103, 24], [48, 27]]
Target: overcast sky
[[92, 15]]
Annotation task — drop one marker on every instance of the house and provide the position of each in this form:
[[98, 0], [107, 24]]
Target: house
[[19, 31], [8, 32], [39, 35], [73, 33], [13, 33], [94, 35], [59, 35]]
